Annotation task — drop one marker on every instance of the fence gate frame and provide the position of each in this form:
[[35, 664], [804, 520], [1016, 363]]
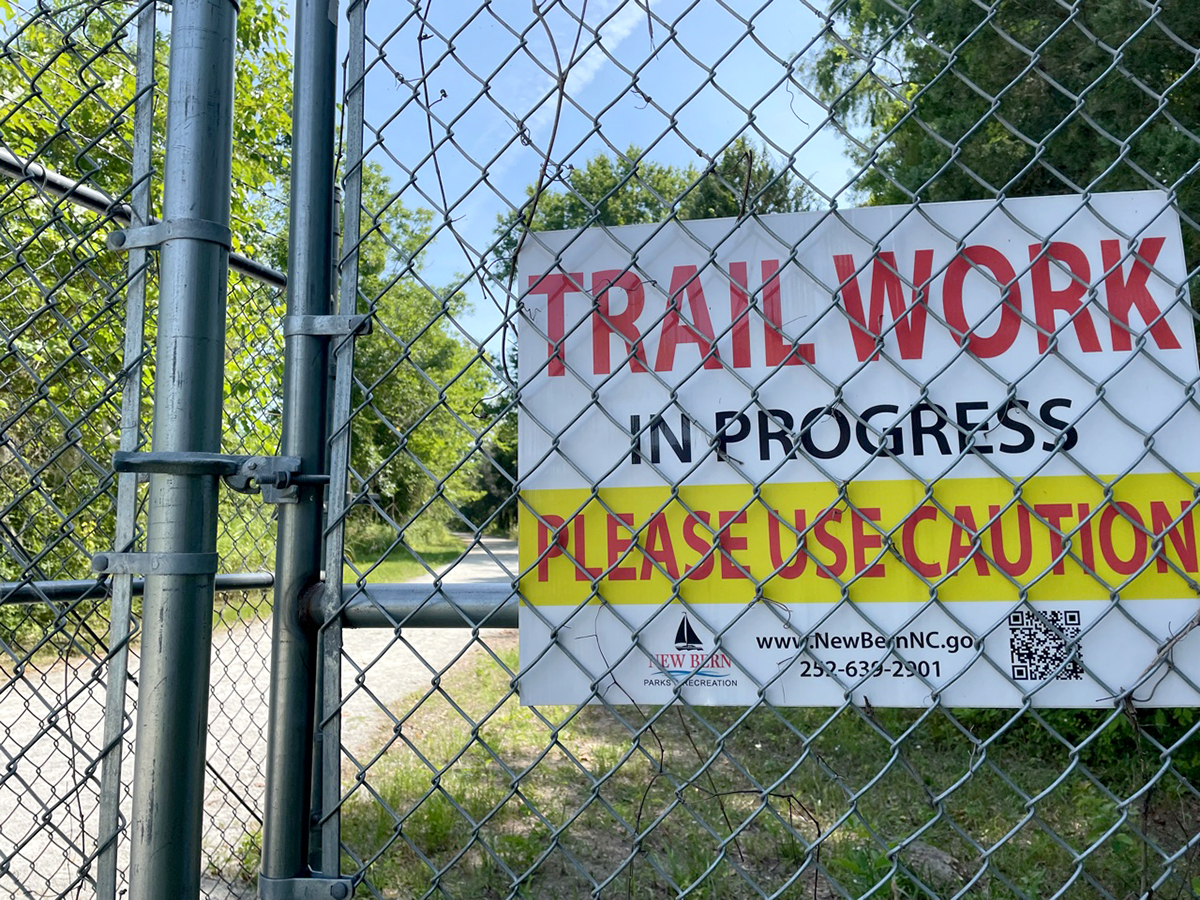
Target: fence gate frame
[[292, 859], [180, 562]]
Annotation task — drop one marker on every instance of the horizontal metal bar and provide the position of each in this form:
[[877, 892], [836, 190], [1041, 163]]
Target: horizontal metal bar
[[428, 606], [167, 462], [52, 182], [39, 591]]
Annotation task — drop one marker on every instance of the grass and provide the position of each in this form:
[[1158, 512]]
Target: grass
[[402, 563], [241, 607], [432, 550], [35, 631], [476, 796]]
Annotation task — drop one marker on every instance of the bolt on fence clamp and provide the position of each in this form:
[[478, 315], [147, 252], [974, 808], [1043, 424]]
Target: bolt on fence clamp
[[276, 476], [316, 887], [155, 563], [154, 236], [332, 326]]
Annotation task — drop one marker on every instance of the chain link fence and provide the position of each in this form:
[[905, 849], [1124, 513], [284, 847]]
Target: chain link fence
[[686, 715], [80, 143], [495, 159]]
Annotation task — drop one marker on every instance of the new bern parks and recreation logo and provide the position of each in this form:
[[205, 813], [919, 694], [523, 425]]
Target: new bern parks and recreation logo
[[691, 662]]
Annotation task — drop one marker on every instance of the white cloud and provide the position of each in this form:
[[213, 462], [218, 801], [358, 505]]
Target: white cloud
[[584, 71], [612, 34]]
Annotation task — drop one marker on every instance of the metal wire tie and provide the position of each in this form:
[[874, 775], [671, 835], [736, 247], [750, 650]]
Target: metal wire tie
[[154, 236]]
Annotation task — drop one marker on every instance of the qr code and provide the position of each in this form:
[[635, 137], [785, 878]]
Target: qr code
[[1040, 643]]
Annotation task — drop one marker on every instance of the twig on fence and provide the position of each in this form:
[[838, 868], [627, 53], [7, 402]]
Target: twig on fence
[[659, 773], [708, 774], [793, 803], [526, 215], [659, 769], [433, 154], [1162, 656], [645, 4], [1131, 714], [748, 158]]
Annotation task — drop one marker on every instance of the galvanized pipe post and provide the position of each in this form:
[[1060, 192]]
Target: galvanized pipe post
[[125, 587], [286, 826], [168, 781]]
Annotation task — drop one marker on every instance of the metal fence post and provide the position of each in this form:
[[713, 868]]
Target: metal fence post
[[329, 720], [131, 432], [182, 526], [298, 555]]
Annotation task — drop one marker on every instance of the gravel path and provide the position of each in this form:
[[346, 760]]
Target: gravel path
[[47, 754], [51, 727]]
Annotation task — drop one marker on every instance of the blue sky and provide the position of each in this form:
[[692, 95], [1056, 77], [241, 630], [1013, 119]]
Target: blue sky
[[678, 78]]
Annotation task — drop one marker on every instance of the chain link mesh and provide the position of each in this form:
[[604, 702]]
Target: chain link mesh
[[569, 117], [69, 151], [471, 132]]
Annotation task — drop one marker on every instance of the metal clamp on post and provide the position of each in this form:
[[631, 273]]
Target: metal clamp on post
[[155, 563], [326, 326], [276, 476], [317, 887], [154, 236], [176, 463]]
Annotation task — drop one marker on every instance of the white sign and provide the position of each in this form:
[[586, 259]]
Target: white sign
[[886, 453]]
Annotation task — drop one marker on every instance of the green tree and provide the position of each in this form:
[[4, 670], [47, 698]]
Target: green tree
[[965, 100], [417, 380], [630, 189], [744, 179], [494, 477], [68, 79]]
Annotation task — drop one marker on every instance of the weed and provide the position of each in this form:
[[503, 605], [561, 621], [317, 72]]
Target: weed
[[487, 798], [241, 864]]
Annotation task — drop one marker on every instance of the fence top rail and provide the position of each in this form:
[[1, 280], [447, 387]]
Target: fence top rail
[[40, 591], [17, 169]]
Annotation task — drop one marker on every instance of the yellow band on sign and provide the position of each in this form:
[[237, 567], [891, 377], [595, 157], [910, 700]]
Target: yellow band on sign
[[885, 541]]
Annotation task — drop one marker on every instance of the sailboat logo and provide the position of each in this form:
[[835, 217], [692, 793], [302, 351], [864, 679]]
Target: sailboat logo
[[691, 663], [686, 637]]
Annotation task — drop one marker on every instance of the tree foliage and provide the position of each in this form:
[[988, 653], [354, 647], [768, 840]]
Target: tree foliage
[[68, 79], [417, 379], [630, 189], [967, 100]]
